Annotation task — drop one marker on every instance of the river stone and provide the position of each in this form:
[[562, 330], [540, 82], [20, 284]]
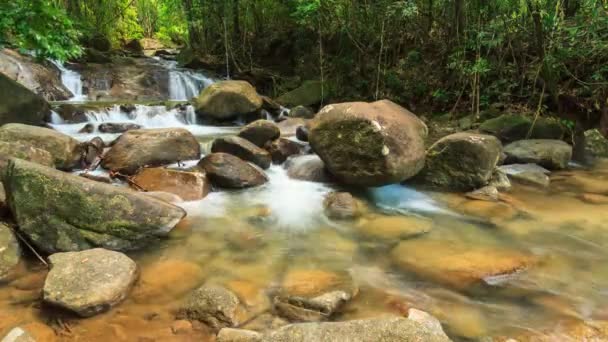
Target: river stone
[[393, 228], [302, 133], [110, 127], [10, 253], [213, 305], [308, 94], [20, 105], [369, 144], [457, 265], [307, 168], [461, 162], [151, 147], [510, 128], [227, 171], [528, 174], [60, 212], [64, 149], [228, 99], [260, 132], [238, 335], [26, 152], [283, 148], [189, 186], [289, 127], [243, 149], [341, 206], [551, 154], [89, 282], [302, 309], [427, 320], [385, 329], [301, 112]]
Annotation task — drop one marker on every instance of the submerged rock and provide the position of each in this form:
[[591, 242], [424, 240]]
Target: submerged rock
[[26, 152], [510, 128], [386, 329], [227, 171], [369, 144], [189, 186], [58, 211], [20, 105], [151, 147], [260, 132], [10, 253], [457, 265], [528, 174], [213, 305], [393, 228], [487, 193], [89, 282], [302, 309], [307, 168], [552, 154], [63, 148], [243, 149], [461, 161], [341, 206], [283, 148], [109, 127], [228, 99], [238, 335]]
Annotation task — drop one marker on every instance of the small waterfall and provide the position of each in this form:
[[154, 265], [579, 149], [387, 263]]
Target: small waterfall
[[56, 119], [145, 116], [72, 81], [183, 84]]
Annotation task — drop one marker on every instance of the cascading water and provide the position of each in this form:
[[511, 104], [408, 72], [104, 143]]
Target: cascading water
[[184, 84], [72, 81]]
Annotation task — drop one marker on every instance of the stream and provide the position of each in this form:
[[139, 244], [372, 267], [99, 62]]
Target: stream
[[252, 240]]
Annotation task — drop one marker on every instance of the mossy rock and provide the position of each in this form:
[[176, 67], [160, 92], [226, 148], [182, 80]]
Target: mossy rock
[[509, 128], [228, 99], [310, 93], [10, 253], [61, 212], [20, 105]]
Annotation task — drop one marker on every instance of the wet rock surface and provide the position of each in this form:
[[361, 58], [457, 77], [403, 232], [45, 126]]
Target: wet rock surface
[[213, 305], [308, 168], [341, 205], [189, 186], [227, 171], [10, 252], [552, 154], [283, 148], [109, 127], [228, 99], [260, 132], [64, 212], [89, 282], [527, 174], [243, 149], [26, 152]]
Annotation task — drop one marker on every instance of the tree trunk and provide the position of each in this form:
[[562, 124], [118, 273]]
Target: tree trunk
[[458, 19]]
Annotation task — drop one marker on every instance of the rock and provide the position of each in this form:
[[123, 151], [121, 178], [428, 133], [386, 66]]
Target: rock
[[487, 193], [10, 253], [18, 334], [93, 151], [594, 198], [500, 181], [301, 309], [151, 147], [89, 282], [135, 47], [87, 129], [302, 133], [428, 321], [289, 126], [213, 305], [190, 186], [91, 55], [385, 329], [461, 162], [71, 113], [59, 211], [227, 171], [181, 327], [102, 179], [238, 335], [392, 229], [26, 152], [341, 206], [308, 168], [528, 174], [20, 105], [309, 283], [283, 148], [510, 128], [457, 265], [228, 99], [301, 112], [164, 196], [595, 144], [310, 93], [63, 148], [551, 154], [109, 127], [243, 149], [369, 144], [260, 132]]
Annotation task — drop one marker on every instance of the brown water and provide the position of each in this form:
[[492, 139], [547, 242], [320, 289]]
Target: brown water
[[256, 241]]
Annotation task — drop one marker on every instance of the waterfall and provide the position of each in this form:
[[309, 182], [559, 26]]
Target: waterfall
[[183, 84], [56, 119], [72, 81]]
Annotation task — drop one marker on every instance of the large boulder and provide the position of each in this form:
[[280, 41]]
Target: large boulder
[[190, 186], [19, 104], [283, 148], [369, 144], [511, 127], [10, 253], [552, 154], [461, 161], [27, 152], [60, 212], [213, 305], [111, 127], [64, 149], [243, 149], [151, 147], [386, 329], [89, 282], [227, 171], [228, 99], [260, 132], [308, 94]]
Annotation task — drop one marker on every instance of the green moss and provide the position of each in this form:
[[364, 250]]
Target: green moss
[[516, 127], [308, 94]]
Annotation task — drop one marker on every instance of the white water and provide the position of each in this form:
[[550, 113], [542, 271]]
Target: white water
[[184, 84], [72, 81]]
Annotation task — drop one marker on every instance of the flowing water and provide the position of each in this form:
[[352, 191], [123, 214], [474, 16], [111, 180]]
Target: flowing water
[[72, 81]]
